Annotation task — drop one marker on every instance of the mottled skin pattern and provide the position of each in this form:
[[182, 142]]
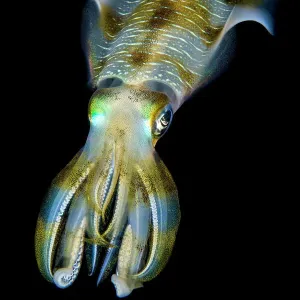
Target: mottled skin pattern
[[116, 202]]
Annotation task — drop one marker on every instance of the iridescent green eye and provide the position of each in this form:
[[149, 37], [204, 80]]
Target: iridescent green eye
[[163, 121]]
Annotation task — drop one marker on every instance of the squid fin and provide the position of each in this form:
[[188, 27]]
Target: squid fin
[[260, 11], [247, 11], [243, 13]]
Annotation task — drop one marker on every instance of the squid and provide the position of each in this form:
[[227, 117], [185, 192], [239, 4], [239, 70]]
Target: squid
[[116, 203]]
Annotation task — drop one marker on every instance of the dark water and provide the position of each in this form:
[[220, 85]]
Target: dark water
[[224, 149]]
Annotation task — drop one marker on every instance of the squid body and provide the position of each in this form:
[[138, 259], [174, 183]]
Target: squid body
[[116, 202]]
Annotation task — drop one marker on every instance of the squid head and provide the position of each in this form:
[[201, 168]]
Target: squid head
[[115, 202]]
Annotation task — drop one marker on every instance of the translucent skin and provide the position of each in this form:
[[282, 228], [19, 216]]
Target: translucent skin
[[116, 202]]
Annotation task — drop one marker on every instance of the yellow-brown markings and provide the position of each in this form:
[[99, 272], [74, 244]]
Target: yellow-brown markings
[[162, 16], [110, 22], [185, 17], [188, 15], [138, 57], [44, 233]]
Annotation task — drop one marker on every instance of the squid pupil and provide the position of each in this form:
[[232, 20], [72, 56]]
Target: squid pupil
[[166, 118]]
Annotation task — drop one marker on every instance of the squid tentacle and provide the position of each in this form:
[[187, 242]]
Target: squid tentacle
[[115, 231], [133, 246], [97, 184], [54, 210], [69, 257], [165, 214], [124, 178], [100, 187], [107, 199]]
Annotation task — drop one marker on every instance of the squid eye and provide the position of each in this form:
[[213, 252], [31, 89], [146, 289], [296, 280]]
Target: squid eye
[[163, 121]]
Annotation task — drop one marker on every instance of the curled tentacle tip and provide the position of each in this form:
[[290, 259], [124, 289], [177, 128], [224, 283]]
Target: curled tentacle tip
[[63, 277], [124, 286]]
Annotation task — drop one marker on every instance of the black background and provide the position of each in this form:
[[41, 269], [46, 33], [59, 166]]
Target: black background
[[223, 149]]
